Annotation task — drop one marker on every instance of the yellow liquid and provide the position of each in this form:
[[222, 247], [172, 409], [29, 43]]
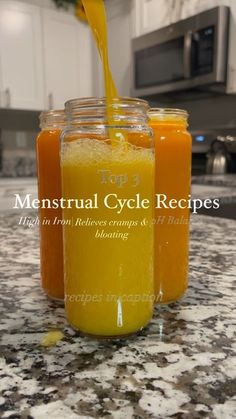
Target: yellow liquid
[[108, 281], [96, 16], [52, 338]]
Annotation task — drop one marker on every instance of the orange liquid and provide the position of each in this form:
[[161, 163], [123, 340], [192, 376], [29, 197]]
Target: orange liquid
[[49, 186], [96, 16], [172, 178]]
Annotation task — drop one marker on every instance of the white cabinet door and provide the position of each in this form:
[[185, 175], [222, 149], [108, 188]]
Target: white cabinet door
[[21, 55], [149, 15], [187, 8], [67, 55]]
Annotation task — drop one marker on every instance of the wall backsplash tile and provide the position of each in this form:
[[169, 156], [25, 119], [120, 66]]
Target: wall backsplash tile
[[18, 132], [18, 165], [17, 154]]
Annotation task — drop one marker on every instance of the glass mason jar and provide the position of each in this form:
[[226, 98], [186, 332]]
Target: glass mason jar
[[107, 161], [49, 187], [173, 179]]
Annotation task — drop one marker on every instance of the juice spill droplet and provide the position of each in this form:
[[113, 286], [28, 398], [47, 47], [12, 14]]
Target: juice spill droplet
[[51, 338]]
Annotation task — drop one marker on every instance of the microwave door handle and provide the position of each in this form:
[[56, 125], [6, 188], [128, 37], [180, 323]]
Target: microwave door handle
[[188, 38]]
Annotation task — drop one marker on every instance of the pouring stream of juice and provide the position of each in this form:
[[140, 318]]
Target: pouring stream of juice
[[96, 16]]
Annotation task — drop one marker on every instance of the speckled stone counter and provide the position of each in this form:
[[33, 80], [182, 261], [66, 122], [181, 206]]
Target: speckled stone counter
[[220, 187], [215, 186], [228, 180], [182, 366]]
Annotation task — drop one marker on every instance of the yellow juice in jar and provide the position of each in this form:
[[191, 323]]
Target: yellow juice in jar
[[110, 286]]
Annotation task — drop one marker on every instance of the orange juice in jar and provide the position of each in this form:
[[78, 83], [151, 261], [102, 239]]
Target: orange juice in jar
[[109, 286], [49, 187], [173, 145]]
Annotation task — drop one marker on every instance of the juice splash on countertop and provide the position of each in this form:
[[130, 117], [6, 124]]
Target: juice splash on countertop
[[51, 338]]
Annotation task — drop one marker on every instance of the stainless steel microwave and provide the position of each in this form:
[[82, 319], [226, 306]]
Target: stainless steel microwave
[[189, 54]]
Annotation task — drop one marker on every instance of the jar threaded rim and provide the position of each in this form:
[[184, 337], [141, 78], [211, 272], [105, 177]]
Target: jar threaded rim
[[52, 119]]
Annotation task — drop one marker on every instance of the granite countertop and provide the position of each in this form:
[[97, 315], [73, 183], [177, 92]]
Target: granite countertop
[[228, 180], [215, 186], [181, 366]]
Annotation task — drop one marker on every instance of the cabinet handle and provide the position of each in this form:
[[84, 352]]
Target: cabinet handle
[[50, 101], [8, 97]]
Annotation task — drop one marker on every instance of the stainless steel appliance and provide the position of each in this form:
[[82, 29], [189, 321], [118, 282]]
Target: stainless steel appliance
[[214, 152], [189, 54]]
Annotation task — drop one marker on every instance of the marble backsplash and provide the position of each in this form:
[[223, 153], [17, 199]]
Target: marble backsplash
[[17, 153], [18, 164], [18, 133]]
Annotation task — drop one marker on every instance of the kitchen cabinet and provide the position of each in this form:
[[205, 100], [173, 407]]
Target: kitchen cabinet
[[149, 15], [45, 56], [21, 64], [67, 55]]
